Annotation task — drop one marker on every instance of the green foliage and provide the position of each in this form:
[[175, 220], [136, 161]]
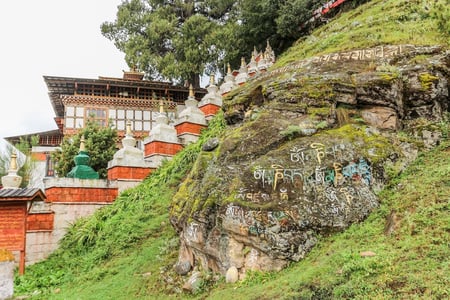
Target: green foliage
[[441, 12], [291, 132], [179, 40], [293, 15], [101, 143], [138, 216], [256, 278], [172, 40]]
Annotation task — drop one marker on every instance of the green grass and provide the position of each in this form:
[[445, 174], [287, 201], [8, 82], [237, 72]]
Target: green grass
[[108, 253], [379, 22], [127, 250]]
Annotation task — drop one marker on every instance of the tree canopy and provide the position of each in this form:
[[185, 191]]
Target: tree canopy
[[100, 143], [175, 40], [179, 40]]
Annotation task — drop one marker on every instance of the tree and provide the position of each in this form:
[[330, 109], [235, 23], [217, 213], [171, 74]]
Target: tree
[[293, 16], [179, 40], [257, 20], [100, 143], [174, 40]]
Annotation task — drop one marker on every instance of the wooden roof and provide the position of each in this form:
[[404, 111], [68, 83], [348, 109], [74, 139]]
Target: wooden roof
[[42, 135], [26, 194]]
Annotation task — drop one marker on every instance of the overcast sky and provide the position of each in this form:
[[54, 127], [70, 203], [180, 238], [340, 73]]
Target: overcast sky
[[55, 38]]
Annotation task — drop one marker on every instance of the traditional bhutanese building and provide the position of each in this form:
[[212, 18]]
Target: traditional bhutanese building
[[108, 100], [113, 100]]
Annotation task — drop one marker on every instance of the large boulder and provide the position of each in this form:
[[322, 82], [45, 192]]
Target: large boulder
[[307, 150]]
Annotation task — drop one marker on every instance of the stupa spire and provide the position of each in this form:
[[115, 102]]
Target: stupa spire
[[82, 170], [12, 180], [229, 83], [191, 91], [243, 63], [129, 133], [13, 164], [82, 144], [161, 106]]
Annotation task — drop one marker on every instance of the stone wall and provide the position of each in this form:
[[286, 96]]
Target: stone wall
[[6, 279], [41, 241], [67, 213], [158, 147], [68, 199], [124, 172], [39, 246]]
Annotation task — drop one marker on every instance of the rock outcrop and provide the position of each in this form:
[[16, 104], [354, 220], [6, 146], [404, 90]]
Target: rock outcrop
[[309, 146]]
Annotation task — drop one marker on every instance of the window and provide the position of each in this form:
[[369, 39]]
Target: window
[[138, 114], [121, 124], [70, 111], [74, 117], [141, 120], [70, 123], [112, 113], [130, 115], [98, 115], [79, 122], [49, 166], [137, 125], [119, 117], [80, 111]]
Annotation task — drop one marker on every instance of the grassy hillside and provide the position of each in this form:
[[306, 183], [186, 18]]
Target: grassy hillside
[[411, 262], [379, 22], [127, 250]]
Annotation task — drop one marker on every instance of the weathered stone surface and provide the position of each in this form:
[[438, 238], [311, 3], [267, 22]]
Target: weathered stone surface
[[182, 267], [232, 275], [262, 197], [367, 254], [210, 144], [194, 282], [272, 198], [431, 138], [6, 279], [381, 117]]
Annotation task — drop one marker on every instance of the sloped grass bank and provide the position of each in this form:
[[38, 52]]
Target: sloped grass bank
[[378, 22], [118, 252], [411, 262]]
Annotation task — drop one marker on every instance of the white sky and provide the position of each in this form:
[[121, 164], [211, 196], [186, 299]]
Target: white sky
[[55, 38]]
